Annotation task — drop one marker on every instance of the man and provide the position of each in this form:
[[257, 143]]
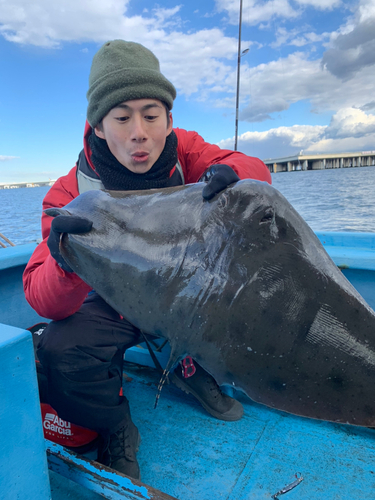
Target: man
[[129, 144]]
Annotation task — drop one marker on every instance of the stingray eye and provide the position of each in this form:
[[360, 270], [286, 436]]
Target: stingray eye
[[268, 216], [223, 200]]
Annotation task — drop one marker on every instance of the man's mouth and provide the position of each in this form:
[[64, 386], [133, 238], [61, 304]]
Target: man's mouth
[[140, 156]]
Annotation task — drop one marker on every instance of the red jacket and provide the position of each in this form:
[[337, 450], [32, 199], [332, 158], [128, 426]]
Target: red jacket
[[56, 294]]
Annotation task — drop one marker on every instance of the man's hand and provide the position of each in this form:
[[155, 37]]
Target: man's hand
[[65, 224], [218, 177]]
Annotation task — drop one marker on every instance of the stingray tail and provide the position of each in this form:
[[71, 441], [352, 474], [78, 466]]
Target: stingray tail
[[162, 381], [172, 362]]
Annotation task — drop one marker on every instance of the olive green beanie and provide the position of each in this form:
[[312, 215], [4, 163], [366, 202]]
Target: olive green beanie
[[122, 71]]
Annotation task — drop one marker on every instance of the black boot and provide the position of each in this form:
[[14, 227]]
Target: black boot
[[120, 448], [203, 387]]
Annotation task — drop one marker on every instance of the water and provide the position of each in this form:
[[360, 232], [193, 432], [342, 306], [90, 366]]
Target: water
[[21, 210], [329, 200], [332, 200]]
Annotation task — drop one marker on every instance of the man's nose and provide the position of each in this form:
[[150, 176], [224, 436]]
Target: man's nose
[[138, 133]]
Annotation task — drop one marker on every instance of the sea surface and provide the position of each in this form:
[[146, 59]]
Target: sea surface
[[329, 200]]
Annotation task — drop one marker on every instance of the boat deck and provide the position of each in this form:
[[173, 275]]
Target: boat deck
[[188, 454]]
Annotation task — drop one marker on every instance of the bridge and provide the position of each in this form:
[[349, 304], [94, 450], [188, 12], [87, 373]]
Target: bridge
[[14, 185], [321, 161]]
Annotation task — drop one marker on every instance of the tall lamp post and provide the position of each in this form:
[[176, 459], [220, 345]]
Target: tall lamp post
[[240, 54]]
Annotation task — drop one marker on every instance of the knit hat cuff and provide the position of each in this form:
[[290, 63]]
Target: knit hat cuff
[[125, 85]]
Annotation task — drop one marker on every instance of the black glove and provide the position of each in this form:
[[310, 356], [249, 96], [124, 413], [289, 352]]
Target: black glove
[[65, 224], [218, 177]]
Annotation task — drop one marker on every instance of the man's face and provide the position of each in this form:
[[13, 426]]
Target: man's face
[[136, 132]]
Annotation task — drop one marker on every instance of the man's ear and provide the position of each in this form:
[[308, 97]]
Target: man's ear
[[170, 125], [99, 131]]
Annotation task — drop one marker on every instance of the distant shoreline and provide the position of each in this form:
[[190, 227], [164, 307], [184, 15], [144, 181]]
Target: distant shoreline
[[16, 185]]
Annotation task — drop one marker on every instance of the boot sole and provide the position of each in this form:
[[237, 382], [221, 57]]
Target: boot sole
[[227, 417]]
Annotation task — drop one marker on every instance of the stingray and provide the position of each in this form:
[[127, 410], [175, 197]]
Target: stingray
[[240, 283]]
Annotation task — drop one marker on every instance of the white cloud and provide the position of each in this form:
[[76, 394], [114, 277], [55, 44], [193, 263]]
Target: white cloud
[[276, 142], [351, 122], [346, 145], [259, 11], [297, 37], [275, 86], [164, 17], [193, 61], [7, 158], [45, 23], [278, 84], [201, 63], [352, 47], [351, 52], [320, 4], [350, 129], [368, 107]]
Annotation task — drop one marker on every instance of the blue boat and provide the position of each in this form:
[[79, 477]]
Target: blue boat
[[185, 453]]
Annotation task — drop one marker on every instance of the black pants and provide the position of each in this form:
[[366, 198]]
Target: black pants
[[82, 356]]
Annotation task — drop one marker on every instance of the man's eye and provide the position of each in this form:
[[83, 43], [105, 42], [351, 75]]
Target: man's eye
[[122, 118], [150, 117]]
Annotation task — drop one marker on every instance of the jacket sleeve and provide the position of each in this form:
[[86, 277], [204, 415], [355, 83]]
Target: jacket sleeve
[[52, 292], [195, 156]]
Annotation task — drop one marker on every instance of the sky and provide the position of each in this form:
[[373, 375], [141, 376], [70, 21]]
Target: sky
[[307, 82]]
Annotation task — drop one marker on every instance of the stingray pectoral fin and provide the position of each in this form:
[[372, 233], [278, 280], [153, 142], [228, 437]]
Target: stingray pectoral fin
[[174, 358]]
